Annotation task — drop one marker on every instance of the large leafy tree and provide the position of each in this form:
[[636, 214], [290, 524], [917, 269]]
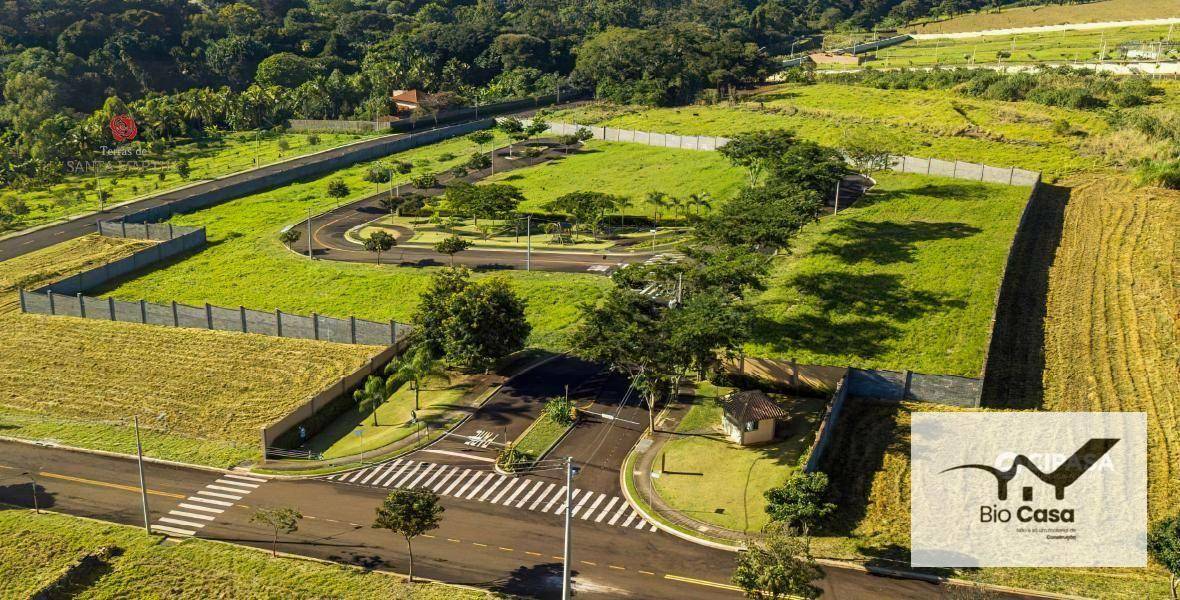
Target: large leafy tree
[[800, 502], [765, 217], [779, 565], [1163, 543], [409, 513], [471, 324]]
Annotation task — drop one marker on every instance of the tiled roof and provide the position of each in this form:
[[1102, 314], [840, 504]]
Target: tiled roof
[[752, 405], [408, 96]]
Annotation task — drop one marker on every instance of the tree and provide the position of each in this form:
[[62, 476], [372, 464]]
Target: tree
[[800, 501], [759, 152], [586, 207], [285, 69], [869, 151], [451, 246], [409, 513], [281, 519], [708, 323], [762, 218], [183, 169], [416, 365], [337, 188], [371, 396], [560, 410], [514, 129], [289, 236], [472, 325], [1163, 543], [778, 566], [379, 241], [481, 137]]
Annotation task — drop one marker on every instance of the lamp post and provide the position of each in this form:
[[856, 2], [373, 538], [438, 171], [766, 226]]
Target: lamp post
[[33, 482]]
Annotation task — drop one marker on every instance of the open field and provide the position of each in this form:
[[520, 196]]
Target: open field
[[629, 170], [927, 123], [353, 432], [1033, 16], [1028, 48], [35, 548], [904, 279], [245, 264], [201, 396], [207, 159], [711, 479]]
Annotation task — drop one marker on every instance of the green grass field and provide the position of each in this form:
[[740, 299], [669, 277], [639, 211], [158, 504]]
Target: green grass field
[[245, 264], [716, 481], [629, 170], [1028, 48], [1053, 14], [904, 279], [207, 159], [201, 396], [35, 549], [927, 123]]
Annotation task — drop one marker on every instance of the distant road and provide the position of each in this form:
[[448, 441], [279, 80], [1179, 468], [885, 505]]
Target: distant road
[[1046, 28]]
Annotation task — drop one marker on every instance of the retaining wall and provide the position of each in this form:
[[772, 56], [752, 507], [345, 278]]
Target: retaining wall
[[175, 240], [827, 426]]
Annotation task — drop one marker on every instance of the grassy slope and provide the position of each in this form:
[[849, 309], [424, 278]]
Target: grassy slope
[[928, 123], [905, 279], [202, 396], [245, 263], [1052, 46], [35, 548], [1031, 16], [208, 159], [629, 170]]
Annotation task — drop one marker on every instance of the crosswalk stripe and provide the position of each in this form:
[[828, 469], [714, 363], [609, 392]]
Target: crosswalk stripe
[[202, 508], [488, 493], [245, 477], [490, 476], [358, 474], [392, 474], [219, 495], [226, 489], [403, 475], [449, 471], [630, 517], [590, 509], [622, 509], [561, 508], [252, 486], [508, 488], [540, 484], [524, 485], [190, 515], [606, 509], [641, 524], [578, 506], [179, 522], [455, 482], [380, 472], [175, 530], [653, 527], [424, 473], [210, 501], [387, 473], [561, 494], [439, 471], [370, 473], [469, 481]]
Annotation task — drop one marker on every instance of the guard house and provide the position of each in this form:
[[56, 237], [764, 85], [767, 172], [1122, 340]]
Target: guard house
[[406, 101], [750, 417]]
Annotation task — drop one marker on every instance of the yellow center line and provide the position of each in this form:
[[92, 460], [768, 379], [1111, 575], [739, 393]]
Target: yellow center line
[[427, 535], [562, 558], [723, 586], [532, 553], [586, 562], [615, 567], [109, 485], [453, 540], [647, 572], [506, 549], [479, 544]]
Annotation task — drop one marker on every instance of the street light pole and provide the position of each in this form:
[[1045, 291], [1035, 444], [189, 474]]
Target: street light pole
[[837, 209], [569, 508], [528, 232], [309, 234], [33, 482], [147, 524]]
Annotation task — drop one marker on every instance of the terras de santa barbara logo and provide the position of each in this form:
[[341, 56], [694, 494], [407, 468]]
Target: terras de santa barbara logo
[[123, 128]]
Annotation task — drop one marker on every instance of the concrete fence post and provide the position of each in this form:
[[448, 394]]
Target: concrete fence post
[[794, 374], [278, 322], [175, 315], [905, 392], [928, 161], [52, 308], [170, 230], [1011, 174], [209, 315], [242, 312], [23, 306], [982, 170], [123, 228], [955, 170], [392, 332], [111, 307], [81, 306], [315, 325], [143, 311], [352, 328]]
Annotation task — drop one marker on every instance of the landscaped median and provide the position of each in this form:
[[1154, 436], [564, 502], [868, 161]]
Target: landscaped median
[[532, 445]]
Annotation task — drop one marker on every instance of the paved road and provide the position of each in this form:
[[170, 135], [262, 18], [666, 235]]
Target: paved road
[[479, 543]]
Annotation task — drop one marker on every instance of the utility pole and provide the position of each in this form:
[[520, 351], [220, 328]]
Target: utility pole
[[679, 288], [36, 505], [309, 234], [147, 524], [569, 509], [528, 233], [837, 209]]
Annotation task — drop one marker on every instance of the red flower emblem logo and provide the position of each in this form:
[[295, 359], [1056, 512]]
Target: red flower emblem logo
[[123, 128]]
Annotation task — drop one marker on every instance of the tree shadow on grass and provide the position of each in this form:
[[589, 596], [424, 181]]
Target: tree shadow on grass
[[854, 240]]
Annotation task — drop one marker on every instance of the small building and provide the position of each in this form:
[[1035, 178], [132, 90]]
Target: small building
[[750, 417], [406, 101]]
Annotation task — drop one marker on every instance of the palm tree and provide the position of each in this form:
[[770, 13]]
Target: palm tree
[[371, 396], [702, 200], [659, 201], [416, 366]]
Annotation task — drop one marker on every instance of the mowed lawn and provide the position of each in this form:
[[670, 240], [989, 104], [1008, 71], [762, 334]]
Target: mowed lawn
[[201, 396], [629, 170], [34, 549], [245, 264], [207, 159], [928, 123], [1033, 16], [1025, 48], [904, 279]]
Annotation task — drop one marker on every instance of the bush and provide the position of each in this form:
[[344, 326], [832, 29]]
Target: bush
[[1127, 100], [533, 151], [403, 167], [313, 140], [426, 181], [445, 156], [459, 171], [1161, 173], [284, 145], [479, 161], [337, 188], [16, 206]]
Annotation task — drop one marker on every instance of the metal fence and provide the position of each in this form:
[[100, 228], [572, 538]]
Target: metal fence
[[350, 330]]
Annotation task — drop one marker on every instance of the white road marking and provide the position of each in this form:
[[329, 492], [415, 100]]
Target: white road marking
[[460, 455], [403, 475], [578, 506], [173, 530], [204, 508], [540, 498], [378, 472], [357, 476], [210, 501], [181, 513], [653, 528], [456, 482], [219, 495], [424, 473], [245, 477], [525, 484], [590, 509], [222, 488], [622, 509], [490, 476], [498, 483], [508, 488], [441, 482], [252, 486], [179, 522], [439, 471], [388, 473], [606, 509], [630, 517], [561, 508], [641, 524]]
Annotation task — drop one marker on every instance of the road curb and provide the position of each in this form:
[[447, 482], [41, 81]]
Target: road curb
[[110, 454]]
